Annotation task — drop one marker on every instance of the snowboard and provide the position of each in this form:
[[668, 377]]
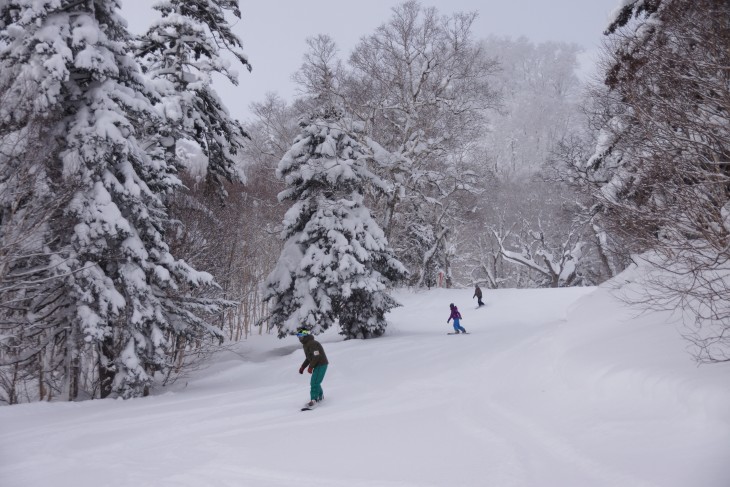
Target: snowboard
[[462, 333], [307, 408]]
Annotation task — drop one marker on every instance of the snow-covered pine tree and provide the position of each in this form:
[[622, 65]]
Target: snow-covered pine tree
[[180, 53], [336, 263], [115, 301]]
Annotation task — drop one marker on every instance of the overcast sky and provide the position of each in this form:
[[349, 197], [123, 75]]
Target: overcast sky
[[274, 31]]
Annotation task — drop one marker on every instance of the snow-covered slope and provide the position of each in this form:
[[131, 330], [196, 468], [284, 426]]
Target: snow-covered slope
[[564, 387]]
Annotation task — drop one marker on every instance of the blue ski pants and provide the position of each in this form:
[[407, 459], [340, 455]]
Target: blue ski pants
[[457, 326]]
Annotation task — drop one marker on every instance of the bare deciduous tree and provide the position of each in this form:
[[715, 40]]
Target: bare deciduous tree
[[660, 173], [422, 86], [31, 348], [556, 264]]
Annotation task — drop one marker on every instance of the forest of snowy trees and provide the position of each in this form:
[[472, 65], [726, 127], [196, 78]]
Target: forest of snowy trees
[[142, 227]]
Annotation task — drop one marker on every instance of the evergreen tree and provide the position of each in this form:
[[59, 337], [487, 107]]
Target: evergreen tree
[[114, 298], [336, 263], [181, 52]]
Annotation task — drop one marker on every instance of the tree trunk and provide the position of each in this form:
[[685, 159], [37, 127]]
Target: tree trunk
[[106, 367], [390, 212]]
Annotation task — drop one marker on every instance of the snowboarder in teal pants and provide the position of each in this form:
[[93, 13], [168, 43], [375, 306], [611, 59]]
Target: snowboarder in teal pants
[[456, 316], [315, 362]]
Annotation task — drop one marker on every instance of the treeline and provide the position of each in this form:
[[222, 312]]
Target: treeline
[[504, 169], [140, 224]]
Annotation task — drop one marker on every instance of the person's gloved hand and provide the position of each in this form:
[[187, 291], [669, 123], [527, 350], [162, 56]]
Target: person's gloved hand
[[301, 369], [310, 369]]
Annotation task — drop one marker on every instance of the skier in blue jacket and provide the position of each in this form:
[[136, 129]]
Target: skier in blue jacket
[[456, 316]]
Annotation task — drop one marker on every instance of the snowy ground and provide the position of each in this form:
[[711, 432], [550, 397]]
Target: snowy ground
[[562, 387]]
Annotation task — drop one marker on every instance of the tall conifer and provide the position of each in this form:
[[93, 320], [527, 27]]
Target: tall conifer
[[336, 263], [113, 298]]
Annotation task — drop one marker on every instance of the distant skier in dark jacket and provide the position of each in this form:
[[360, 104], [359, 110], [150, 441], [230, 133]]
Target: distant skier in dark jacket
[[315, 361], [456, 316], [478, 295]]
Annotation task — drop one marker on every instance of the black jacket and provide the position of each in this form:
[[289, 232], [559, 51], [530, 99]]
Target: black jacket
[[313, 352]]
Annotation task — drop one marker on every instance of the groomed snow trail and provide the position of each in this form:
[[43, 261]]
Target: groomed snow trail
[[550, 388]]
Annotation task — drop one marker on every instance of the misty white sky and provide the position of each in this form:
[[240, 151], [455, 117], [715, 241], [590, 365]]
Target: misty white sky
[[274, 32]]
